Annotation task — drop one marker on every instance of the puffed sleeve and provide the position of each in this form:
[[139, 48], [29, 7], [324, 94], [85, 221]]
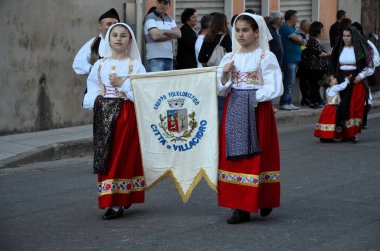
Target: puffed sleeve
[[93, 87], [81, 63], [223, 90], [272, 78], [138, 67]]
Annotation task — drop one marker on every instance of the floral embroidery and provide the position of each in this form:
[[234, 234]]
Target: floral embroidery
[[325, 127], [125, 186], [249, 179], [250, 77]]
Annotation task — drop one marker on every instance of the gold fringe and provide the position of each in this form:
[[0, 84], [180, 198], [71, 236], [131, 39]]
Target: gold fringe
[[197, 179]]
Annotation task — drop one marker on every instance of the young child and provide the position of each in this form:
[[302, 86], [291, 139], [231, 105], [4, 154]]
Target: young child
[[326, 128], [117, 157], [249, 158]]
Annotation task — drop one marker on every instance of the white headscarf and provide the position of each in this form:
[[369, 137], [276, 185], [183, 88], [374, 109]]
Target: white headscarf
[[133, 51], [264, 33]]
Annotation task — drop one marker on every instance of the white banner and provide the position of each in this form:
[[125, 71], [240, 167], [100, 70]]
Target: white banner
[[177, 120]]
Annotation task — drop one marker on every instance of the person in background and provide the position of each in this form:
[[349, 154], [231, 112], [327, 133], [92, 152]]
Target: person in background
[[249, 156], [94, 48], [291, 42], [314, 64], [117, 156], [186, 58], [205, 26], [276, 20], [351, 55], [325, 129], [372, 78], [160, 29], [335, 28]]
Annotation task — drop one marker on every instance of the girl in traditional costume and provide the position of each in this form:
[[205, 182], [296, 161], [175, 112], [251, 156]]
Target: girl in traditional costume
[[117, 157], [352, 55], [325, 129], [249, 158]]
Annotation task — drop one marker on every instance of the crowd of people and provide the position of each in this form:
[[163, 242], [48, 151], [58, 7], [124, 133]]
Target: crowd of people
[[258, 59]]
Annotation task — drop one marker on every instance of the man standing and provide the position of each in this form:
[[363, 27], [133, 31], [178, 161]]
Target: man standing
[[335, 28], [276, 20], [291, 43], [94, 48], [160, 29]]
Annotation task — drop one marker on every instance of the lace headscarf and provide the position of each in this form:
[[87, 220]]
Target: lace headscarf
[[264, 33], [133, 50]]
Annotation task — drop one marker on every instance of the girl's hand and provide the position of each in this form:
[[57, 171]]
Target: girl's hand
[[349, 77], [228, 67], [115, 80], [357, 79]]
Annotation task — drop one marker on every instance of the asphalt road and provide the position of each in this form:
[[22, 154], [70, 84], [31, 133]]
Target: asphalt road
[[330, 201]]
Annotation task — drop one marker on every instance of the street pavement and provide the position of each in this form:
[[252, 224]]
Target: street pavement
[[330, 201]]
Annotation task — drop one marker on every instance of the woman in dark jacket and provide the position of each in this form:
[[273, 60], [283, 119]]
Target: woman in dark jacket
[[186, 44], [315, 62], [218, 29]]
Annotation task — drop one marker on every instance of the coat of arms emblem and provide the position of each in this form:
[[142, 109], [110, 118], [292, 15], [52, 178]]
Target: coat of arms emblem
[[176, 123]]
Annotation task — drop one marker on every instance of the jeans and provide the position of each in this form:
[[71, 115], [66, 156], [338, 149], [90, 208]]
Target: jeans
[[289, 71], [159, 64]]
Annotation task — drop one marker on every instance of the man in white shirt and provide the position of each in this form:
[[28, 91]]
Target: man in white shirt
[[159, 30], [94, 48]]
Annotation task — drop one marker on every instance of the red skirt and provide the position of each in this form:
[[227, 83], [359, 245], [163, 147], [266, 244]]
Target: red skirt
[[326, 126], [124, 182], [353, 124], [254, 182]]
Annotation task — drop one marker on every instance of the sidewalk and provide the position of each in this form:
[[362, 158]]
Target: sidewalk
[[76, 141]]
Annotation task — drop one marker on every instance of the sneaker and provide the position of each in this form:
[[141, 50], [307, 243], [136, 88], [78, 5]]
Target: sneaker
[[293, 107], [286, 107], [239, 216]]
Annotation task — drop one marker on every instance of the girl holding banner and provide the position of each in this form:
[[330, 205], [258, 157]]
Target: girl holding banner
[[249, 158], [117, 157]]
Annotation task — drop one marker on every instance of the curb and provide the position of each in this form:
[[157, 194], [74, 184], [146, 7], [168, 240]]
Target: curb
[[56, 151], [83, 147]]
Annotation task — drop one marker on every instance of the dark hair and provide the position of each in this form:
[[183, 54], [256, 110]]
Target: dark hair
[[233, 19], [359, 27], [250, 11], [186, 14], [325, 81], [218, 24], [346, 22], [288, 14], [315, 29], [206, 21], [340, 14], [252, 22]]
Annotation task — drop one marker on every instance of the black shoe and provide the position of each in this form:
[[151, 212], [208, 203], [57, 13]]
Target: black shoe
[[327, 140], [354, 140], [126, 207], [264, 212], [112, 214], [239, 216]]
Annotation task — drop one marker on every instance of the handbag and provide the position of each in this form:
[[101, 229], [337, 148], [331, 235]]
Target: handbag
[[217, 54]]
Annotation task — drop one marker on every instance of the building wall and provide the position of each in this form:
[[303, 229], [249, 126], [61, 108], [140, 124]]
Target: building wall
[[38, 86], [352, 8], [327, 15]]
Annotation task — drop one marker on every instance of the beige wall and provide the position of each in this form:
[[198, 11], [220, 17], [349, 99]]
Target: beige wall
[[39, 89], [327, 15]]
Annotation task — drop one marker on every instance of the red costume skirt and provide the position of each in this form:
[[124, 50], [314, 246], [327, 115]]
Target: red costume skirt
[[326, 126], [253, 182], [124, 182], [353, 124]]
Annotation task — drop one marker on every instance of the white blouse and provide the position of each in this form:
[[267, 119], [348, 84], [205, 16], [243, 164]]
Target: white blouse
[[81, 63], [347, 61], [268, 84], [119, 67], [332, 93]]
